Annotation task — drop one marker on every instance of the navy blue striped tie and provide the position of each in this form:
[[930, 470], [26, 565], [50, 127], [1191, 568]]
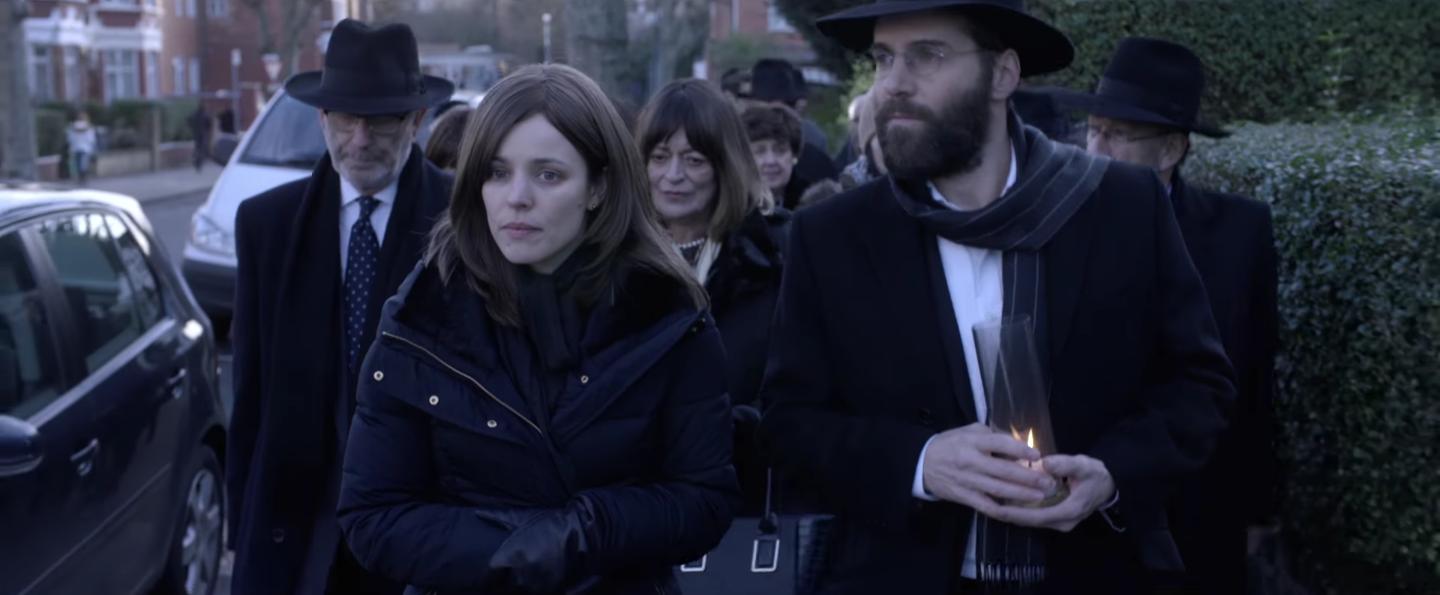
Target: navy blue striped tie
[[361, 261]]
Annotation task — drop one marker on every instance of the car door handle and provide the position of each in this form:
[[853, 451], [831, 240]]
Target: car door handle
[[175, 384], [84, 459]]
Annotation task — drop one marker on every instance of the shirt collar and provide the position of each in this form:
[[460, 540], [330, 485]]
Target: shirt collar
[[349, 194], [1010, 178]]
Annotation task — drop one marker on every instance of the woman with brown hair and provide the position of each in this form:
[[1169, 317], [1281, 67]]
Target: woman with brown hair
[[446, 134], [722, 219], [543, 410]]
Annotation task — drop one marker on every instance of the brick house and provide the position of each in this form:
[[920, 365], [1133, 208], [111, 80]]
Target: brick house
[[107, 50]]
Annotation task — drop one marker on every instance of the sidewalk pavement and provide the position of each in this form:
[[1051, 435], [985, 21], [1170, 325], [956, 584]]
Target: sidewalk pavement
[[160, 185]]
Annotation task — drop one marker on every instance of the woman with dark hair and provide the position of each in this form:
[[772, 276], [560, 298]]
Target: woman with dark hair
[[543, 410], [722, 219], [443, 148]]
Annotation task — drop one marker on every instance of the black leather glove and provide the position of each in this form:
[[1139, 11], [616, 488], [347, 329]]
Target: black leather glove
[[746, 417], [548, 550]]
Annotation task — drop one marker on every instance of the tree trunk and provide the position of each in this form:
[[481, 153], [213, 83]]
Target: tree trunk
[[596, 40], [680, 33], [17, 127]]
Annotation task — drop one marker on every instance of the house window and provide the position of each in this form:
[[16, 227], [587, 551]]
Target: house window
[[74, 74], [121, 2], [219, 9], [42, 73], [122, 75], [177, 73], [194, 75], [179, 8], [152, 75], [778, 24]]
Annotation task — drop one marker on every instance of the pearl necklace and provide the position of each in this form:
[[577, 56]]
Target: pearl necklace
[[691, 244]]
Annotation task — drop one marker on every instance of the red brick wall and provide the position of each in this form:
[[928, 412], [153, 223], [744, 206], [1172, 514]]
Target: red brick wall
[[241, 29]]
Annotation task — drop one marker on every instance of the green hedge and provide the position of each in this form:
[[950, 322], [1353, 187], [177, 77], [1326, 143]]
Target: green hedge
[[1357, 221], [126, 122], [1269, 60]]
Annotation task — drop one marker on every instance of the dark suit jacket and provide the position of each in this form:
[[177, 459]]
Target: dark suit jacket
[[1232, 241], [291, 390], [858, 383]]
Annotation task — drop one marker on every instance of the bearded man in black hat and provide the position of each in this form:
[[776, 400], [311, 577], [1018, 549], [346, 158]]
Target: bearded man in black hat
[[317, 258], [875, 381], [1143, 112]]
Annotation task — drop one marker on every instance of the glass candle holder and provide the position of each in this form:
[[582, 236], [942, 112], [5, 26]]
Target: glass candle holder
[[1017, 392]]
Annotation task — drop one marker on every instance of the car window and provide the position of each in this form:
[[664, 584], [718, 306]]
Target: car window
[[29, 370], [288, 136], [110, 312], [148, 302]]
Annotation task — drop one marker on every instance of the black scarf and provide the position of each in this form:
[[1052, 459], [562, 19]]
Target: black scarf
[[1054, 181], [542, 355], [306, 382]]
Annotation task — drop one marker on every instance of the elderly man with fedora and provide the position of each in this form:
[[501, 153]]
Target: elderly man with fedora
[[875, 380], [1143, 111], [317, 258]]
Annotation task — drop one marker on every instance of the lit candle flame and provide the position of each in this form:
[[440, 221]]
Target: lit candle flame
[[1029, 436]]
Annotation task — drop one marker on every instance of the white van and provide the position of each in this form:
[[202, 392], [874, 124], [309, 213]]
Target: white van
[[282, 146]]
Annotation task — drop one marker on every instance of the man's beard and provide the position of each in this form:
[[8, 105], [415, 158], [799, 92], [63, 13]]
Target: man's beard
[[945, 144]]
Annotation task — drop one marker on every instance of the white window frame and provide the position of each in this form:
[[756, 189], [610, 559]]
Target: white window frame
[[74, 75], [152, 75], [42, 72], [122, 74], [179, 84], [194, 74]]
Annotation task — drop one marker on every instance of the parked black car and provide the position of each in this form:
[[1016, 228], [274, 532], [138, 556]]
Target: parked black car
[[112, 430]]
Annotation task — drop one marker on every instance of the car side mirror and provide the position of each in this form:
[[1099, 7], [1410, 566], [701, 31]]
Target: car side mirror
[[20, 450], [224, 147]]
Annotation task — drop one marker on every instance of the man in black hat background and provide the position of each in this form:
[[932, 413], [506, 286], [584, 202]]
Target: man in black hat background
[[875, 382], [317, 258], [1143, 111], [774, 82]]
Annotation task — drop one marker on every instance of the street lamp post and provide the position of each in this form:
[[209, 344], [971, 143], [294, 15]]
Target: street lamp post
[[545, 23], [235, 87], [272, 70]]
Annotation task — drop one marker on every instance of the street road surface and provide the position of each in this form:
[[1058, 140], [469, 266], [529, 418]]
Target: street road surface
[[171, 220]]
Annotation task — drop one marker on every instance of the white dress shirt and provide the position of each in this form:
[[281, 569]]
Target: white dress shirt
[[976, 283], [350, 213]]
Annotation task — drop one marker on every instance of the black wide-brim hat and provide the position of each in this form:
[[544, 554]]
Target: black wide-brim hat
[[1152, 81], [1042, 48], [370, 72]]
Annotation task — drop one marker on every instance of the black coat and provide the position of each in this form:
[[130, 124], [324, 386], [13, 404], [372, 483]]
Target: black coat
[[1231, 239], [744, 284], [859, 382], [443, 443], [812, 166], [292, 396]]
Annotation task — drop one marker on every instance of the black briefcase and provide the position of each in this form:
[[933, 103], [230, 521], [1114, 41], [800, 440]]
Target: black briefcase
[[768, 555]]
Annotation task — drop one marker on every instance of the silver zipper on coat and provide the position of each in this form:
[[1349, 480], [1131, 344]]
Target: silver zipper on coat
[[472, 380]]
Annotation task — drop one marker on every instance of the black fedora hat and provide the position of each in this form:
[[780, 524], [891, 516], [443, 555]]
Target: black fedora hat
[[1042, 48], [772, 79], [370, 72], [1152, 81]]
